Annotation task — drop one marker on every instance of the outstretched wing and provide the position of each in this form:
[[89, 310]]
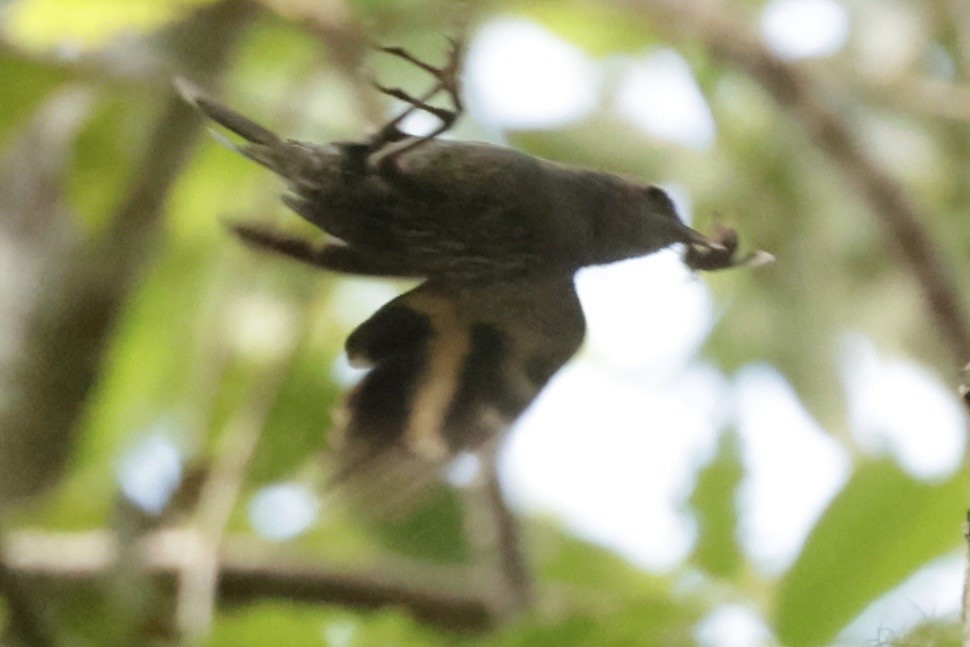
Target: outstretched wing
[[449, 371]]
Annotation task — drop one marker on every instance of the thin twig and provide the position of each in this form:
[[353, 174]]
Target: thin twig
[[199, 577], [512, 560], [890, 203]]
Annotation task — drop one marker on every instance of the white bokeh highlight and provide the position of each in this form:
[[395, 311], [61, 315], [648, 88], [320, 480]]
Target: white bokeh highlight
[[340, 633], [732, 625], [355, 299], [418, 123], [797, 29], [150, 472], [645, 314], [262, 328], [519, 75], [897, 407], [463, 470], [659, 95], [793, 468], [614, 457], [344, 373], [283, 511]]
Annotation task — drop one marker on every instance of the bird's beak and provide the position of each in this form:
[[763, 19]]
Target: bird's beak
[[694, 237]]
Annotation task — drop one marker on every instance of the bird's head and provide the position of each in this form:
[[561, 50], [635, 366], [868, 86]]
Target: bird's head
[[641, 220]]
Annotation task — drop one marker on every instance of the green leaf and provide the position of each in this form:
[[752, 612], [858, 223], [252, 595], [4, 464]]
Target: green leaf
[[25, 83], [938, 633], [602, 598], [435, 530], [299, 624], [106, 157], [272, 623], [882, 527], [89, 23], [596, 27], [301, 417], [149, 376], [714, 502]]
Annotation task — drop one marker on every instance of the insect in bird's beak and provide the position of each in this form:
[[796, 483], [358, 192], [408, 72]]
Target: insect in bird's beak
[[719, 252]]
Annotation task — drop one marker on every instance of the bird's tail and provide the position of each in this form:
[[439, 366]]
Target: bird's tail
[[263, 146], [387, 482]]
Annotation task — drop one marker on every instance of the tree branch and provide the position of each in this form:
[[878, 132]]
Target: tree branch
[[250, 570], [793, 90], [82, 293], [25, 621], [198, 579]]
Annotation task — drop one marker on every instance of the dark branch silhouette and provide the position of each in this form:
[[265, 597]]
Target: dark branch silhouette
[[249, 571]]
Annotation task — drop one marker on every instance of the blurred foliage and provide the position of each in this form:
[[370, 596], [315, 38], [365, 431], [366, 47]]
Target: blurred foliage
[[434, 531], [885, 524], [597, 27], [187, 353], [714, 501], [90, 23], [25, 84]]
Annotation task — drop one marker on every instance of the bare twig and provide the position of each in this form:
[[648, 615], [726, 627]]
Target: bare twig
[[498, 560], [797, 93], [512, 560], [199, 577], [250, 570]]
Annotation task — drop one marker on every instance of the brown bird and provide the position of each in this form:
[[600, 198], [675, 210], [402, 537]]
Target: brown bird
[[497, 236]]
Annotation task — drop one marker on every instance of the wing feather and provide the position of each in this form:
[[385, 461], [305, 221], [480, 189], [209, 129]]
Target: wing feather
[[451, 369]]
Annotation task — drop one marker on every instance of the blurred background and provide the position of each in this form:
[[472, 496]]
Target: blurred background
[[765, 456]]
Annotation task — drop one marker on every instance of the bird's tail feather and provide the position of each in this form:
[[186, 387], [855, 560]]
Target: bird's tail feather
[[264, 147], [387, 482]]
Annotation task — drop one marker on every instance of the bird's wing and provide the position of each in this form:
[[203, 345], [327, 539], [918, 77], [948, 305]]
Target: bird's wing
[[449, 370]]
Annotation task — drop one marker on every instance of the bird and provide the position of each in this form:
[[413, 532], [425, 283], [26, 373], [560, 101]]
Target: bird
[[495, 237]]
